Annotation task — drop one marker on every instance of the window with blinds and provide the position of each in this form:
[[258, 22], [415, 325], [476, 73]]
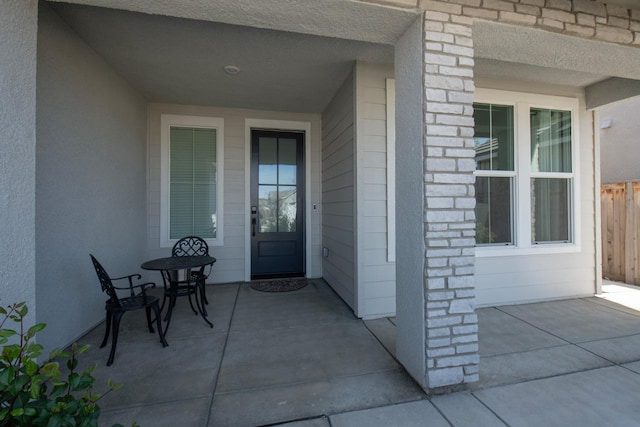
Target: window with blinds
[[191, 189]]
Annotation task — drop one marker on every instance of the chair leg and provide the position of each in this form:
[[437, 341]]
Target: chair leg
[[107, 329], [203, 297], [170, 307], [164, 299], [148, 310], [156, 310], [114, 338], [167, 317], [204, 294]]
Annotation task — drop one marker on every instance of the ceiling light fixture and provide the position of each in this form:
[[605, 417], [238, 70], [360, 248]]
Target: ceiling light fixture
[[232, 70]]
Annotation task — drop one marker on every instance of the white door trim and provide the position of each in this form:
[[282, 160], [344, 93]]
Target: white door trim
[[277, 125]]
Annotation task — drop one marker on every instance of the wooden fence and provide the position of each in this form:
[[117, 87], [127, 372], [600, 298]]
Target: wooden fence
[[621, 231]]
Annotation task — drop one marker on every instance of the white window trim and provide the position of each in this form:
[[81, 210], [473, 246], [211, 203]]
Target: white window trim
[[522, 103], [391, 169], [166, 121]]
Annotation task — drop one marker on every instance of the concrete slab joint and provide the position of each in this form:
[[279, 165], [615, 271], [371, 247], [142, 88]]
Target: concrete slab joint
[[451, 330]]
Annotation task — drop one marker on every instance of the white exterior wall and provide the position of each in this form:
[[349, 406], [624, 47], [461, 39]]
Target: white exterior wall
[[90, 186], [338, 192], [410, 230], [542, 273], [376, 276], [620, 143], [231, 256], [18, 24]]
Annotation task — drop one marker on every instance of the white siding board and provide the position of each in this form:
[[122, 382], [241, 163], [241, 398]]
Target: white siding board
[[376, 241], [376, 192], [344, 195], [378, 306], [375, 224], [338, 198], [373, 175], [372, 192], [376, 111], [543, 273], [376, 157], [375, 127], [231, 262], [383, 289], [374, 205], [375, 256]]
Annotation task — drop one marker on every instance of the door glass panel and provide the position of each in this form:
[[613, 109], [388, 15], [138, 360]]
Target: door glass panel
[[287, 162], [277, 180], [268, 161], [268, 174], [268, 208], [287, 209], [287, 174]]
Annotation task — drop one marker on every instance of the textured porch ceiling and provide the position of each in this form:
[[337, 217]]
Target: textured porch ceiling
[[178, 60]]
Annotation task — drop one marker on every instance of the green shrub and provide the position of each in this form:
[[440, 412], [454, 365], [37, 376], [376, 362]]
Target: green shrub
[[33, 394]]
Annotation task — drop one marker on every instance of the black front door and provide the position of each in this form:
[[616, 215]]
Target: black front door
[[277, 201]]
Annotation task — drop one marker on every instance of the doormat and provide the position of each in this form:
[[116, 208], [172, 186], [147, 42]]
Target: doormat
[[279, 285]]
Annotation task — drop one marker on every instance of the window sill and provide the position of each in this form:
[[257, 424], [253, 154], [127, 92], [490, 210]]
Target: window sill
[[543, 249]]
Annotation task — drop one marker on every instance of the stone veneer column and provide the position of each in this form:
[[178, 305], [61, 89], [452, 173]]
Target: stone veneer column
[[451, 333]]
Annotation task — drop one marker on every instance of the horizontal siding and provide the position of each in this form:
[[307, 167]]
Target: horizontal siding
[[376, 280], [338, 204], [230, 265], [533, 277]]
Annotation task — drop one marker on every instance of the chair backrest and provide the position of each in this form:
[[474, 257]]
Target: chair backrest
[[190, 246], [105, 281]]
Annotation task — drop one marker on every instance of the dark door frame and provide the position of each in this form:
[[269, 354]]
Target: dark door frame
[[277, 252], [283, 125]]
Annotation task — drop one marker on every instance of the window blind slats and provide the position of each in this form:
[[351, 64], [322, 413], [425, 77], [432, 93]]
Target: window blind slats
[[192, 182]]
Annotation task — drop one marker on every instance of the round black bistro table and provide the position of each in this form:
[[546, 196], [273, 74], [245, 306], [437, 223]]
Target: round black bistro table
[[169, 266], [174, 263]]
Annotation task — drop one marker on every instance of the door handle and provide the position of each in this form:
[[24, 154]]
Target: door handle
[[253, 227]]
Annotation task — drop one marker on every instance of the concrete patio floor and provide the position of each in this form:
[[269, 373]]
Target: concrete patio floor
[[302, 359]]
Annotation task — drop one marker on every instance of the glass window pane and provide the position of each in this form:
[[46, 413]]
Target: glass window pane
[[494, 210], [287, 208], [287, 151], [268, 151], [494, 137], [550, 140], [268, 174], [287, 174], [267, 208], [268, 161], [550, 210], [192, 189]]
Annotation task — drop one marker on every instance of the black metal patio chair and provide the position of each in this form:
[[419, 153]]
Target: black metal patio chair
[[195, 246], [116, 306]]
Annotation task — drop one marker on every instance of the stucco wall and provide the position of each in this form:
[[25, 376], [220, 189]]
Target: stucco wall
[[18, 22], [90, 180], [620, 143], [410, 253]]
